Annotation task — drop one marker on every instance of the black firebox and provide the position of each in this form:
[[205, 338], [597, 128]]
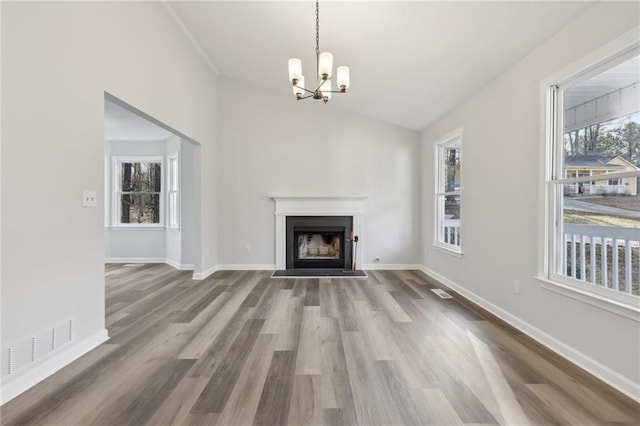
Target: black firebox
[[319, 242]]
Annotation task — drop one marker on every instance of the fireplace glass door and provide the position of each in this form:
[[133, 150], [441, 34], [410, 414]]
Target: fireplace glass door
[[318, 242]]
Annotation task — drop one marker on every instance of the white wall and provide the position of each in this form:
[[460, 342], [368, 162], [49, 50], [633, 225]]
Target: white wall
[[271, 144], [58, 59], [501, 180]]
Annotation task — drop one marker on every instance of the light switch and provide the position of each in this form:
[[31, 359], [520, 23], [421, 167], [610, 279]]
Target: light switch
[[89, 198]]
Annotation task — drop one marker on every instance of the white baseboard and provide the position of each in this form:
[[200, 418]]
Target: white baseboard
[[170, 262], [135, 260], [390, 266], [21, 381], [205, 274], [604, 373], [236, 267], [180, 266]]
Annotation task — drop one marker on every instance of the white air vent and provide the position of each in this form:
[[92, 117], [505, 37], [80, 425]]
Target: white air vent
[[6, 362], [31, 349], [441, 293], [21, 355], [44, 343], [62, 334]]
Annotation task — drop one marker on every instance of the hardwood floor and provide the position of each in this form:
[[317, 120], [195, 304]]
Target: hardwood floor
[[243, 348]]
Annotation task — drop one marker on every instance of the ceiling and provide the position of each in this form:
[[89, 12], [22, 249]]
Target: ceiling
[[410, 62]]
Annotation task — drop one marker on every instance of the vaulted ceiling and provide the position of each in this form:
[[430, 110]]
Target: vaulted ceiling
[[410, 62]]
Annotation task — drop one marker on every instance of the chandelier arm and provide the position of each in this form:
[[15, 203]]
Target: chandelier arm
[[299, 98], [321, 83]]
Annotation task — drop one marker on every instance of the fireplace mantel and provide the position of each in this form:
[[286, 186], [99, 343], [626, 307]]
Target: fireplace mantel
[[289, 205]]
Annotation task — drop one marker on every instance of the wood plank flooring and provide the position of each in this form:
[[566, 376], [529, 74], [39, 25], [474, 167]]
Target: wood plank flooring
[[241, 348]]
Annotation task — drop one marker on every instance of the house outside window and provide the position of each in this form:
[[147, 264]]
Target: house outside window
[[448, 154], [593, 223], [138, 191]]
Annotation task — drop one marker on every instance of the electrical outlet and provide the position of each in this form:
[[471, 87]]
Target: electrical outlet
[[89, 198], [247, 248], [516, 286]]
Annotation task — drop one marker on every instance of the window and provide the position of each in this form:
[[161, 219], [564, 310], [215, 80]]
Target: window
[[593, 226], [448, 192], [138, 191], [173, 198]]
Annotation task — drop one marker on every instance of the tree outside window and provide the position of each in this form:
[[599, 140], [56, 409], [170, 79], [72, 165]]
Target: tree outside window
[[140, 189]]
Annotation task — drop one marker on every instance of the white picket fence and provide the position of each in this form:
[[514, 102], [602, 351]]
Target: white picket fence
[[588, 189], [451, 231], [592, 254]]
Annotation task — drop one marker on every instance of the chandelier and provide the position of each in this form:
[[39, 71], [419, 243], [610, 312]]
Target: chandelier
[[324, 65]]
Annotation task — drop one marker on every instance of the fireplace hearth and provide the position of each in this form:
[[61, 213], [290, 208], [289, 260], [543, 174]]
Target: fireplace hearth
[[318, 242]]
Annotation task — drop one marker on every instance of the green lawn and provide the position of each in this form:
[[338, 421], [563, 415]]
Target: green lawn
[[626, 202], [585, 218]]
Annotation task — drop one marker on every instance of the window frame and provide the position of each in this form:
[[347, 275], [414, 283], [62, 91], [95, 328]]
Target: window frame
[[117, 161], [451, 140], [611, 300], [173, 174]]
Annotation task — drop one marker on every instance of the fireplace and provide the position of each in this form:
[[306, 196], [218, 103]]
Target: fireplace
[[318, 242], [351, 207]]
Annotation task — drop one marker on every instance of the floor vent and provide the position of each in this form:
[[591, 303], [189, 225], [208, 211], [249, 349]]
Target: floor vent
[[441, 293]]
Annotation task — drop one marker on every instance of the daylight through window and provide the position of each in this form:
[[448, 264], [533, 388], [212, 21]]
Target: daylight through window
[[138, 191], [594, 188], [448, 192]]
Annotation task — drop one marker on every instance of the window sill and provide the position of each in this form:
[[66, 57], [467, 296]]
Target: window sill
[[449, 251], [627, 310], [136, 228]]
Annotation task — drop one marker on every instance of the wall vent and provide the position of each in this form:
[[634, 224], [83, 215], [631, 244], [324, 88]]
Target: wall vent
[[6, 362], [32, 349], [441, 293]]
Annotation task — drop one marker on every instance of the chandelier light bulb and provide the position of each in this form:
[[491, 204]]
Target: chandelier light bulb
[[343, 77], [326, 89], [325, 63], [295, 69]]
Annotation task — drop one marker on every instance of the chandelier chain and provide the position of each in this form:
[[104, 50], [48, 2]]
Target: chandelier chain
[[317, 28]]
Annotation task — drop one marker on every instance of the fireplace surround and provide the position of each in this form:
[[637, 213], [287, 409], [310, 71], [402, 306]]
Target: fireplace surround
[[285, 206]]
